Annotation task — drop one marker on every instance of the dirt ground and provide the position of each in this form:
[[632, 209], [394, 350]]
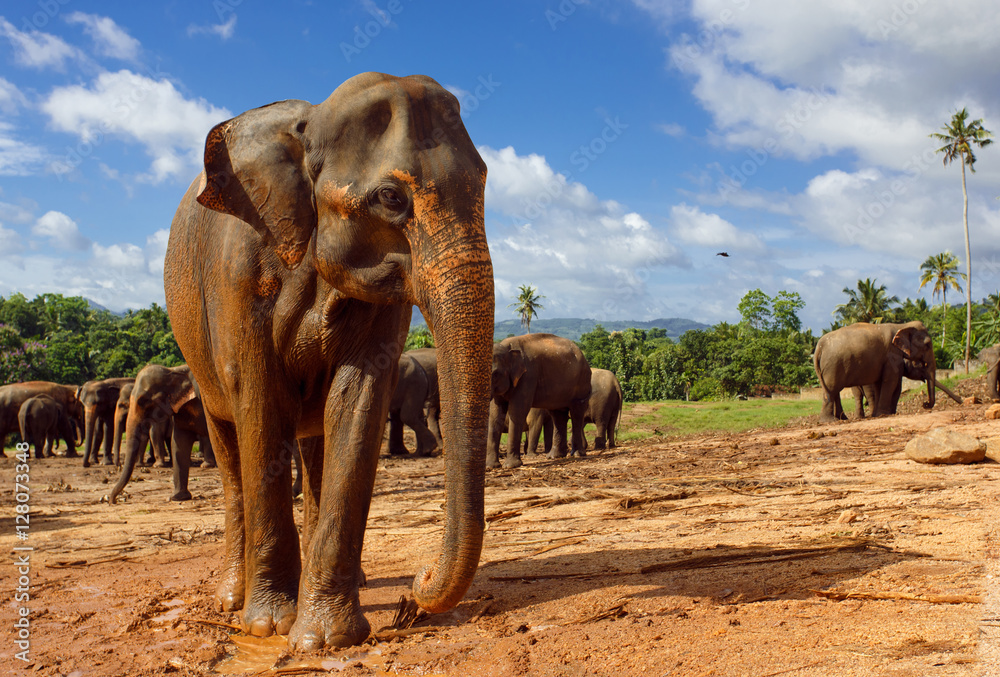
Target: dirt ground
[[807, 550]]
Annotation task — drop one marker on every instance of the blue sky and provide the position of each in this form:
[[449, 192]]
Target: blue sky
[[627, 141]]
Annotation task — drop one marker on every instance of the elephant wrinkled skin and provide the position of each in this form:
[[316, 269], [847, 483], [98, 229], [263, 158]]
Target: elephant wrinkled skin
[[872, 354], [292, 268]]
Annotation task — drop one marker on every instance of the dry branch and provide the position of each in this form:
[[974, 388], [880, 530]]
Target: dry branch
[[903, 596], [761, 556]]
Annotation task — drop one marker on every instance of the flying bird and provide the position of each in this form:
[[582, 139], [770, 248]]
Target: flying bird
[[726, 254]]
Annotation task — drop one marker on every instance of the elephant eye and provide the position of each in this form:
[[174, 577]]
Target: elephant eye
[[392, 199]]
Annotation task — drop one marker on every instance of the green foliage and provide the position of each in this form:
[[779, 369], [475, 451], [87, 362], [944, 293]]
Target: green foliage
[[683, 418], [527, 305], [63, 339], [419, 337], [868, 304], [766, 351]]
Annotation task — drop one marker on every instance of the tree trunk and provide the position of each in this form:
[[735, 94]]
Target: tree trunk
[[968, 269]]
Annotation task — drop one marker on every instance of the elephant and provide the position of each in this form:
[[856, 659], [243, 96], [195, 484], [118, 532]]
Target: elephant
[[161, 394], [13, 395], [160, 432], [292, 268], [872, 354], [911, 370], [416, 403], [604, 406], [539, 421], [43, 421], [992, 386], [543, 371], [99, 399]]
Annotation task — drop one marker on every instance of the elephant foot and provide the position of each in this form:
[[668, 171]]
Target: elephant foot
[[274, 616], [491, 460], [557, 453], [334, 625], [229, 592], [600, 443], [579, 453], [181, 496], [512, 462], [50, 454], [108, 461], [86, 463], [208, 464], [71, 453], [161, 464]]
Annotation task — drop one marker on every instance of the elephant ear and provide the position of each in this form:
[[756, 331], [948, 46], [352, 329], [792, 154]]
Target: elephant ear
[[517, 368], [183, 392], [905, 341], [255, 170]]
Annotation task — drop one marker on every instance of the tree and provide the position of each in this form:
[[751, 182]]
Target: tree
[[419, 337], [786, 306], [868, 304], [755, 309], [941, 269], [959, 137], [527, 305]]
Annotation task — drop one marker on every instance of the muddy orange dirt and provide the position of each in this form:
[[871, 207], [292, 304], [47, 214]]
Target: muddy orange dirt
[[771, 552]]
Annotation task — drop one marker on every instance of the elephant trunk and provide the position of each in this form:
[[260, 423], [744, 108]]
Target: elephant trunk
[[459, 310], [931, 381], [136, 438], [90, 433], [948, 392]]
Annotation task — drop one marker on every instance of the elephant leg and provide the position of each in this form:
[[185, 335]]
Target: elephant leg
[[548, 433], [182, 443], [396, 445], [433, 414], [230, 591], [577, 412], [515, 431], [207, 453], [600, 435], [832, 409], [498, 413], [560, 447], [331, 572], [157, 441], [413, 416], [536, 421], [109, 442], [858, 393], [310, 475], [992, 381]]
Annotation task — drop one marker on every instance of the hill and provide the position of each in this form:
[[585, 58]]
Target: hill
[[573, 328]]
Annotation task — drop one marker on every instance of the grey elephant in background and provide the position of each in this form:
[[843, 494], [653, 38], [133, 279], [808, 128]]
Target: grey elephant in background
[[604, 407], [543, 371], [99, 399], [872, 354], [159, 433], [43, 421], [539, 421], [416, 403]]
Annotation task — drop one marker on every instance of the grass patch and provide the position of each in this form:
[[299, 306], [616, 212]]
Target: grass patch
[[643, 420]]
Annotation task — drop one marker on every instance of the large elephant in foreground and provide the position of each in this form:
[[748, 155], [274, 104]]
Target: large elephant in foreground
[[163, 394], [872, 354], [99, 399], [911, 370], [43, 421], [543, 371], [416, 403], [292, 268], [13, 395]]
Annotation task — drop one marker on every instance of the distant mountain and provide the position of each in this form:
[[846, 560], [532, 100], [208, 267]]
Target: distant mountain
[[573, 328]]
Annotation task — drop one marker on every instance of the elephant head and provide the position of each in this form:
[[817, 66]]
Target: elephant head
[[917, 347], [159, 392], [508, 368], [381, 190]]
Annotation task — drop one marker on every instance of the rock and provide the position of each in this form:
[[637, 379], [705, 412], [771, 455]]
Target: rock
[[774, 441], [814, 435], [944, 445], [970, 400], [993, 412], [992, 448], [848, 516]]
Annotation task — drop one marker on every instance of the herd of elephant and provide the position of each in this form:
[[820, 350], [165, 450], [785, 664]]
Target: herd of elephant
[[294, 261]]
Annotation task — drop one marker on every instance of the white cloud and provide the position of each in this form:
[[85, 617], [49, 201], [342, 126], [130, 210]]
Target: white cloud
[[10, 241], [224, 30], [580, 251], [672, 129], [170, 127], [36, 49], [60, 230], [11, 98], [18, 158], [693, 226], [109, 38]]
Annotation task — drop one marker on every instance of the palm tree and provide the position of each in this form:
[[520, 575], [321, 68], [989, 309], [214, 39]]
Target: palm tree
[[959, 137], [941, 269], [527, 305], [868, 304]]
